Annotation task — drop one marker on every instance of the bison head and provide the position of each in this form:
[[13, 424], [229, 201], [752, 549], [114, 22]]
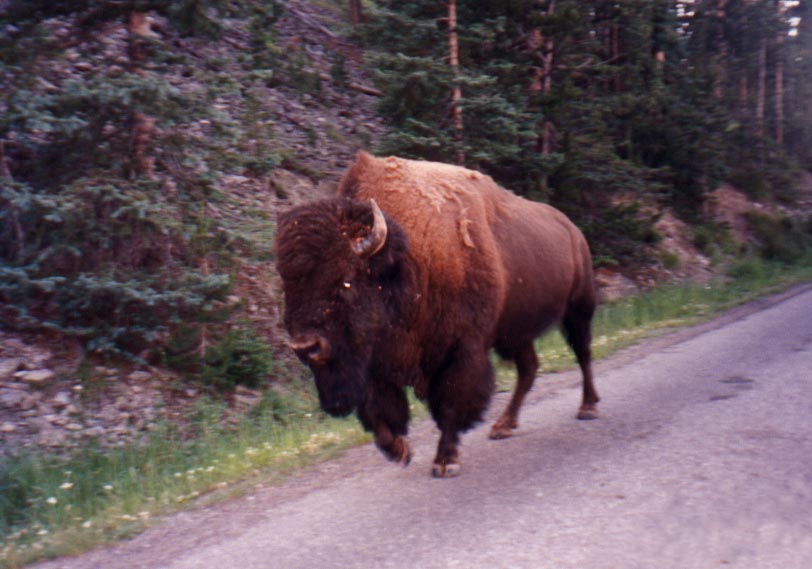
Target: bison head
[[345, 274]]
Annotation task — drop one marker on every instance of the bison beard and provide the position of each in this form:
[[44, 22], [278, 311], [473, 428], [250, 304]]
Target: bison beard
[[417, 296], [340, 384]]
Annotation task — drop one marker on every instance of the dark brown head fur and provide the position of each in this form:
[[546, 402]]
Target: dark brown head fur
[[338, 299]]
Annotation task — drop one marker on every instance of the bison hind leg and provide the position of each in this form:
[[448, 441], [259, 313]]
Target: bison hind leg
[[577, 328]]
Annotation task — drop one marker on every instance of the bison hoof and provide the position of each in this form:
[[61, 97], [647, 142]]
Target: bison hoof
[[403, 451], [588, 413], [399, 451], [446, 470], [499, 432], [503, 428]]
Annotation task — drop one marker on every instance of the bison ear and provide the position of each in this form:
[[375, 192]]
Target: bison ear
[[370, 245]]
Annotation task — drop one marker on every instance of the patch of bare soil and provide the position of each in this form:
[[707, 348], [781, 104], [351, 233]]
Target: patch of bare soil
[[729, 206], [682, 261]]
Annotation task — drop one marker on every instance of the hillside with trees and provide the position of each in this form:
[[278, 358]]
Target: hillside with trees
[[145, 149], [146, 146], [602, 108]]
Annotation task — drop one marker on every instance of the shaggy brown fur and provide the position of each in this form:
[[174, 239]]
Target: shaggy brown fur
[[466, 266]]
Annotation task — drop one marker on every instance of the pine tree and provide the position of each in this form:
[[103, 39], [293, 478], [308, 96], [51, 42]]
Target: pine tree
[[456, 90], [101, 229], [595, 106]]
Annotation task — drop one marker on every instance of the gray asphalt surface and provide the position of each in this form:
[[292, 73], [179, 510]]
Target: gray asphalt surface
[[702, 458]]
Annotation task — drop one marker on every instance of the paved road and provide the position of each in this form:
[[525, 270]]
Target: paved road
[[702, 459]]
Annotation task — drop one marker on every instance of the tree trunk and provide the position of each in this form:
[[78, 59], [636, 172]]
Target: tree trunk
[[143, 126], [762, 87], [744, 96], [802, 96], [142, 134], [617, 83], [779, 77], [541, 84], [139, 30], [5, 171], [356, 13], [456, 92], [547, 86], [721, 64], [534, 43]]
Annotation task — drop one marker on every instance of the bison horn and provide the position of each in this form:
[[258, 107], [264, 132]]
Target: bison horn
[[374, 242]]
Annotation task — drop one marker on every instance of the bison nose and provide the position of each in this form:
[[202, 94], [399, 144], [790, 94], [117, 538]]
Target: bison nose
[[311, 349]]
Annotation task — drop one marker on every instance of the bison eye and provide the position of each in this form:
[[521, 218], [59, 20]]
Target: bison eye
[[347, 285]]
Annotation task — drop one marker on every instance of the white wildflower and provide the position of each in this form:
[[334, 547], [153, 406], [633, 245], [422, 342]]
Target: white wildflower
[[52, 501], [66, 486]]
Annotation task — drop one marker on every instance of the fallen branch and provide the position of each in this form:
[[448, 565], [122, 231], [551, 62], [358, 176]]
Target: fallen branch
[[310, 22], [366, 90]]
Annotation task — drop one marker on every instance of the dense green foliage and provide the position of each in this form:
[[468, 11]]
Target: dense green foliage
[[598, 106], [108, 168], [241, 358]]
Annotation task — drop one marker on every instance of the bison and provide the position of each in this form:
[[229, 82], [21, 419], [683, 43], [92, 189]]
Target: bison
[[409, 276]]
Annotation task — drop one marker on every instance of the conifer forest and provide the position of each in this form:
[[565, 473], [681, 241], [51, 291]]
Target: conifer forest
[[137, 137]]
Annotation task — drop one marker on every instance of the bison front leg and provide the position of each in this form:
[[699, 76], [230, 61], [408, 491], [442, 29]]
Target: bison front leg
[[394, 447], [457, 399], [385, 413], [447, 463], [527, 365]]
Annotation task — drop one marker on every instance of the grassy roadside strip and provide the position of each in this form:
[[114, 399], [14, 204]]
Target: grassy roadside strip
[[51, 507], [620, 324]]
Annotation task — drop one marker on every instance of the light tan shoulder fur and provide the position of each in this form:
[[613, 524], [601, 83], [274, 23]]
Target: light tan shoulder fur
[[445, 211], [424, 195]]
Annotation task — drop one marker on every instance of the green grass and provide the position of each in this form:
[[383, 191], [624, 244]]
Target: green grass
[[51, 506]]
